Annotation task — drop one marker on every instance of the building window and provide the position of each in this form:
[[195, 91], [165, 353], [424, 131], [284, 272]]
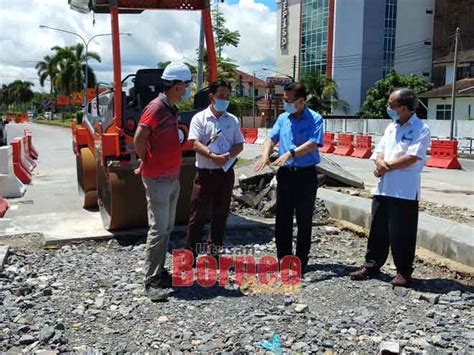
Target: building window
[[389, 35], [314, 36], [463, 72], [443, 112]]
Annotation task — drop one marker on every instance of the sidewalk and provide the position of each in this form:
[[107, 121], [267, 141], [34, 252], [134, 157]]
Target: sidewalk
[[440, 186]]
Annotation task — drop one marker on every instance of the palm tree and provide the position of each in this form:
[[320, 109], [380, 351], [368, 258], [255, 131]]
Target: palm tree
[[47, 70], [71, 64], [17, 92], [323, 95]]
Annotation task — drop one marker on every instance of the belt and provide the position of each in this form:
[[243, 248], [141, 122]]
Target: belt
[[298, 168]]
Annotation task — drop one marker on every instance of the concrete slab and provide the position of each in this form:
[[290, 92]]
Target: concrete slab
[[3, 255], [447, 238]]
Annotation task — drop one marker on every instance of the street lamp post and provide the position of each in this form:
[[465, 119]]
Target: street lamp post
[[86, 46]]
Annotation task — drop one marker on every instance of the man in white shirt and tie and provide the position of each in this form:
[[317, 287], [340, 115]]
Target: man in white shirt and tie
[[217, 140], [399, 160]]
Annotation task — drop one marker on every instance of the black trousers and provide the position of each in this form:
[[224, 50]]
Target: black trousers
[[210, 202], [394, 224], [296, 193]]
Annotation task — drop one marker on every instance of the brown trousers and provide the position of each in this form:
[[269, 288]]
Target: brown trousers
[[210, 202]]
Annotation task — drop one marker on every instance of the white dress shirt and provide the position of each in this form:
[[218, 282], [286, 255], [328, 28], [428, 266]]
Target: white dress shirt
[[411, 138], [204, 124]]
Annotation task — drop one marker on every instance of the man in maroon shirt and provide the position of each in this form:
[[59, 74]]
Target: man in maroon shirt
[[158, 146]]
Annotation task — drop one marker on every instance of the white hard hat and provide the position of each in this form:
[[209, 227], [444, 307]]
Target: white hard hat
[[177, 71]]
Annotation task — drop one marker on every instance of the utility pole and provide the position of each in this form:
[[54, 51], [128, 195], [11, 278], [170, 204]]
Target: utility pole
[[253, 98], [453, 95], [294, 68], [200, 72]]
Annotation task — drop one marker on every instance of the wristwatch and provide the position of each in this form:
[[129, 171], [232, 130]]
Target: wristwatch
[[292, 152]]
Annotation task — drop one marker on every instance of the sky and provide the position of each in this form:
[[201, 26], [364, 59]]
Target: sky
[[156, 36]]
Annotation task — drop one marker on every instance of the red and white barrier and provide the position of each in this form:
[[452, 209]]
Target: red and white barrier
[[261, 136], [21, 170], [10, 185]]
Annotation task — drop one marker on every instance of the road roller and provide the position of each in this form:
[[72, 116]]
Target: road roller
[[103, 140]]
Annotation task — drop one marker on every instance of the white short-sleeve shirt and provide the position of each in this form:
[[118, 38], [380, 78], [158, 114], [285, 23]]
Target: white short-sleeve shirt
[[411, 138], [204, 124]]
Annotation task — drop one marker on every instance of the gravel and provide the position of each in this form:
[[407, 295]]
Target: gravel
[[89, 298]]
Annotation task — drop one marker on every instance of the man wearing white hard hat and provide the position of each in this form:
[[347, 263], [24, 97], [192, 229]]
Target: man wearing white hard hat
[[158, 146]]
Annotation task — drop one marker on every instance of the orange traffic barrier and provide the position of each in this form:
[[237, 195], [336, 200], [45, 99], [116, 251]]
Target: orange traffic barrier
[[33, 153], [344, 144], [363, 147], [3, 206], [444, 154], [20, 170], [250, 135], [329, 145]]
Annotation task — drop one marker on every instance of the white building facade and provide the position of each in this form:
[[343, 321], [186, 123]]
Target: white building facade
[[355, 42]]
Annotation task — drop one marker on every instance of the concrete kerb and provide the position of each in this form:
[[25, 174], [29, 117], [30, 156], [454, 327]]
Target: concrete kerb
[[58, 230], [452, 240], [3, 255]]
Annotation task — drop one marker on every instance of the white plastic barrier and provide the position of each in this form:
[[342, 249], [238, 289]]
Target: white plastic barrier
[[261, 136], [10, 186], [24, 161], [25, 152]]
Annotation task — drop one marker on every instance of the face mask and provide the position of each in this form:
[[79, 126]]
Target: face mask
[[393, 114], [289, 107], [221, 105], [187, 93]]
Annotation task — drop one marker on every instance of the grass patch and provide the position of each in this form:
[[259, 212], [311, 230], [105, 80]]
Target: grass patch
[[61, 123]]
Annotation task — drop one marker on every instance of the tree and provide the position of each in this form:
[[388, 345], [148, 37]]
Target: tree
[[162, 65], [375, 103], [223, 36], [16, 93], [47, 70], [71, 68], [323, 94]]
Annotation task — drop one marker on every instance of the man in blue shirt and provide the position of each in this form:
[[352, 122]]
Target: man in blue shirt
[[299, 132]]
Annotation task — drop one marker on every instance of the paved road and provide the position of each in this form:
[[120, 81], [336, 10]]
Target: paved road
[[51, 203], [449, 187]]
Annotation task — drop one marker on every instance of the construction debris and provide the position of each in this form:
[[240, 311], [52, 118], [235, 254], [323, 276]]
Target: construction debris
[[255, 192]]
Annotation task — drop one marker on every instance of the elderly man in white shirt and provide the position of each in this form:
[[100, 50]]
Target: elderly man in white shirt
[[217, 140], [399, 160]]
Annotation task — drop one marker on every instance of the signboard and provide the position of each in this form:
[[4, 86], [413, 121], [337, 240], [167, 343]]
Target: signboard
[[275, 80], [77, 98], [91, 93], [62, 100], [284, 25]]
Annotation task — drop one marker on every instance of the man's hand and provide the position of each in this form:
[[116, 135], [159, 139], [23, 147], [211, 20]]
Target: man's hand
[[378, 173], [262, 163], [282, 160], [138, 170], [381, 166], [220, 160]]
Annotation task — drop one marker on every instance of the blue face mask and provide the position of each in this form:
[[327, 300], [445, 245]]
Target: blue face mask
[[393, 114], [289, 107], [221, 105], [187, 93]]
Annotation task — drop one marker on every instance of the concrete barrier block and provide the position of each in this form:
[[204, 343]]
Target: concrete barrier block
[[6, 160]]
